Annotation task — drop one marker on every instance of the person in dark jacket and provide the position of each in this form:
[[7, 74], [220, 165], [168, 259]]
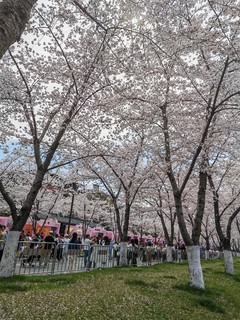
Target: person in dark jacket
[[73, 251], [48, 244], [32, 249]]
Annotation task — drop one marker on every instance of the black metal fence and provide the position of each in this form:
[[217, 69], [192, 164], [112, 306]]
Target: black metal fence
[[50, 258], [45, 258]]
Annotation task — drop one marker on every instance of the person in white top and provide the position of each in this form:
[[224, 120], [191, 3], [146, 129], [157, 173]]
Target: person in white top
[[65, 242], [86, 250]]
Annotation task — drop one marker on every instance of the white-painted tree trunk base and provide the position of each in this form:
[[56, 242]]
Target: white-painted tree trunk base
[[194, 267], [169, 254], [228, 262], [7, 264], [123, 254], [179, 255], [207, 255]]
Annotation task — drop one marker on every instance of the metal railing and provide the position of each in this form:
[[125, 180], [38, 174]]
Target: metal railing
[[51, 258]]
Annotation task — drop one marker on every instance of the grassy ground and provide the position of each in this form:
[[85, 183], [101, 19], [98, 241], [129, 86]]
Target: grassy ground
[[142, 293]]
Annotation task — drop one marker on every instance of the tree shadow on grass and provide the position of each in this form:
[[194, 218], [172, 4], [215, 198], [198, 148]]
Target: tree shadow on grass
[[138, 270], [210, 305], [236, 278], [143, 284], [216, 292], [13, 288], [203, 297], [27, 283], [170, 277]]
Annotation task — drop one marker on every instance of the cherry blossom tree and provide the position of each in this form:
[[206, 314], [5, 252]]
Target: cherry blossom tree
[[160, 199], [122, 173], [226, 208], [133, 83], [186, 86], [180, 88], [38, 105]]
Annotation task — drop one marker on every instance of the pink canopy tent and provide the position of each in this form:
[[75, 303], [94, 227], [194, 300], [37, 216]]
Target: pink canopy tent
[[6, 221], [94, 232]]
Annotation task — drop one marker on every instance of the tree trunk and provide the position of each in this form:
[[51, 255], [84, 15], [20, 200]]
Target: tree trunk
[[169, 257], [7, 264], [126, 218], [123, 254], [207, 254], [20, 219], [14, 15], [225, 240], [228, 262], [195, 268], [118, 220], [180, 216], [200, 207]]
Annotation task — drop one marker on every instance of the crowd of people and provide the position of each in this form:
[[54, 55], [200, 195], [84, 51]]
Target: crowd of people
[[65, 247], [42, 248], [61, 247]]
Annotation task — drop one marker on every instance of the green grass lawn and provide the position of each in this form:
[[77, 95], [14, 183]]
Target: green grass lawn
[[142, 293]]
